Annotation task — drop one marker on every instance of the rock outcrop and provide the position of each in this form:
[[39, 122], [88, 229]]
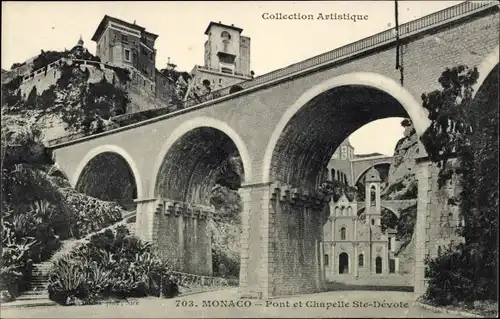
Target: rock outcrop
[[73, 92], [401, 179]]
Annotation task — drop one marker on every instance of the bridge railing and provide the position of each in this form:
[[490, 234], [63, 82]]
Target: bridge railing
[[190, 280], [384, 37]]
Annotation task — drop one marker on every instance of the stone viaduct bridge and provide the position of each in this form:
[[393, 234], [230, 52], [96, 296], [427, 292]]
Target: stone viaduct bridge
[[286, 125], [394, 206], [361, 165]]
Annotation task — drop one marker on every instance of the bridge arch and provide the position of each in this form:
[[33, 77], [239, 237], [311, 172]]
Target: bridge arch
[[363, 172], [485, 68], [117, 153], [392, 210], [196, 128], [369, 86]]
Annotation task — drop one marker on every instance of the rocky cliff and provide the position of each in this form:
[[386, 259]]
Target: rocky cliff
[[70, 92], [401, 180], [402, 184]]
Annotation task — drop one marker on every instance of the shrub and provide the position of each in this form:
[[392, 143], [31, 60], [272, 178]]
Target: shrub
[[15, 266], [46, 58], [225, 249], [111, 264], [468, 129], [450, 276]]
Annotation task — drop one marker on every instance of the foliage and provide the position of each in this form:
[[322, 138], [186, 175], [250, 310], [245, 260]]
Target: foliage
[[92, 103], [389, 220], [177, 82], [226, 202], [406, 224], [90, 214], [46, 58], [122, 74], [36, 199], [11, 94], [111, 264], [451, 276], [396, 187], [467, 128], [411, 191], [451, 123], [336, 189], [15, 267], [226, 229], [225, 249], [17, 65]]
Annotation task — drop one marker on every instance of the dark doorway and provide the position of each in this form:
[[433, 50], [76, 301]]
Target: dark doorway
[[392, 266], [343, 263], [378, 265]]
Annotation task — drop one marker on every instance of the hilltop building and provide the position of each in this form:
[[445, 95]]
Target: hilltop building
[[126, 44], [227, 58]]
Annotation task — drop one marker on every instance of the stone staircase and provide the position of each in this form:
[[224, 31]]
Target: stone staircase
[[38, 295]]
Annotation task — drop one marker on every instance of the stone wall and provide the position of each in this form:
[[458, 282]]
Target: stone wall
[[437, 217], [281, 248], [180, 232]]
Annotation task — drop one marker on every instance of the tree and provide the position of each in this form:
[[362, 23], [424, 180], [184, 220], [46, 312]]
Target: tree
[[468, 129]]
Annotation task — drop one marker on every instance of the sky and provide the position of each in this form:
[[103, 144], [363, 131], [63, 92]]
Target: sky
[[28, 27]]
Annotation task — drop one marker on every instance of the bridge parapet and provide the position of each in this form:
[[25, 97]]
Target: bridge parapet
[[178, 208], [326, 60], [298, 196]]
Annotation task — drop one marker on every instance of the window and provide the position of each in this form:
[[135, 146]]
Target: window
[[342, 233], [373, 193], [326, 260], [125, 38], [225, 36], [373, 221], [361, 260], [333, 174], [389, 245], [127, 55], [378, 265]]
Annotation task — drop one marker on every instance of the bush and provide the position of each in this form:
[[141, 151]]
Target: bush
[[468, 129], [450, 276], [46, 58], [16, 266], [112, 264], [89, 214], [225, 249]]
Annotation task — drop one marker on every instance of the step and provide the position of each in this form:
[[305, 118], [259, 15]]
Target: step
[[38, 287], [35, 292], [28, 303], [39, 296], [38, 283]]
